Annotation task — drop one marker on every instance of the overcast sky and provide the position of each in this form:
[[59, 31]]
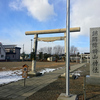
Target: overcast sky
[[18, 16]]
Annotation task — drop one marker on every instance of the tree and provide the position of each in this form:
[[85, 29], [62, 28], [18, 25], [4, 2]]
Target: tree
[[78, 53], [41, 50], [32, 55], [73, 50], [46, 56], [49, 50], [40, 55], [58, 50], [23, 55]]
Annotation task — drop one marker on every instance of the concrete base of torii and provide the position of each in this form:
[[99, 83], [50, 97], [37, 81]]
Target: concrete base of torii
[[64, 97]]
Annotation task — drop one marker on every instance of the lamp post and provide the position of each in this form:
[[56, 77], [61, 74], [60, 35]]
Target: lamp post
[[67, 46]]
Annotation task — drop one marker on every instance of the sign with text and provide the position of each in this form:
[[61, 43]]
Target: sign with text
[[95, 52], [25, 71]]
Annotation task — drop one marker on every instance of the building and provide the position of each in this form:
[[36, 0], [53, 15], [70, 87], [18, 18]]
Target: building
[[86, 55], [51, 58], [2, 52], [10, 52]]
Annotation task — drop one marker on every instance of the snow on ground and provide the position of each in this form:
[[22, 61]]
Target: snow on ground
[[47, 70], [77, 73], [87, 75], [11, 76]]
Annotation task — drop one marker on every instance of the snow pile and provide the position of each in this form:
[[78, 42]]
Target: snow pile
[[10, 76], [47, 70], [76, 74]]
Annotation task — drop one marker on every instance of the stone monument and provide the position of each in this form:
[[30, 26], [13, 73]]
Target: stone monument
[[95, 52], [94, 57]]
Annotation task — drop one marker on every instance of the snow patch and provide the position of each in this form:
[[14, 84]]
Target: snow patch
[[10, 76], [77, 73], [47, 70], [13, 76], [87, 75]]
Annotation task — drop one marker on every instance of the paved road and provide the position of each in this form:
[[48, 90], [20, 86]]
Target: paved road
[[17, 91]]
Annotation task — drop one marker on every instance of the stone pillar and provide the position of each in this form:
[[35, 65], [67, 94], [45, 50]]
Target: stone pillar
[[95, 52], [81, 59], [94, 78], [35, 51], [88, 60]]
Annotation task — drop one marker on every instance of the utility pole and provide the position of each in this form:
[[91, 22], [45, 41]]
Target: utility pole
[[67, 46], [23, 48], [31, 45], [23, 53]]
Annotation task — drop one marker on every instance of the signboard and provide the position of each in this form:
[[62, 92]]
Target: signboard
[[25, 71]]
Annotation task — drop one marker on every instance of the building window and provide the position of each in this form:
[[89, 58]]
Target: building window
[[2, 56], [13, 56]]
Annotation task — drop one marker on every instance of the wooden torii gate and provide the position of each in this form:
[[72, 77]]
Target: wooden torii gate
[[35, 33]]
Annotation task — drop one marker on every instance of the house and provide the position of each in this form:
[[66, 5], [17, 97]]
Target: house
[[51, 58], [12, 52], [9, 52], [2, 52], [86, 55]]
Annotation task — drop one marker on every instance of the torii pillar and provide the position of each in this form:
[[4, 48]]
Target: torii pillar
[[35, 33], [35, 52]]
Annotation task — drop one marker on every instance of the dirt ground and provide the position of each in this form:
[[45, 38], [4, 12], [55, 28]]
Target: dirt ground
[[39, 65], [53, 90]]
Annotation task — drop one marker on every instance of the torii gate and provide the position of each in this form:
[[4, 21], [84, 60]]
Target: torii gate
[[35, 33]]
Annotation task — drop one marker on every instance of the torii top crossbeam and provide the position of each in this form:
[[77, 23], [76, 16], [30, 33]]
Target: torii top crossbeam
[[63, 30]]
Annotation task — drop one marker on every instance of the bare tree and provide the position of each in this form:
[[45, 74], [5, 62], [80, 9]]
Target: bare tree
[[55, 50], [41, 50], [49, 50], [73, 50], [58, 50]]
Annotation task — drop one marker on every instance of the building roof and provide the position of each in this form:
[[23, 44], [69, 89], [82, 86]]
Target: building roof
[[9, 46], [86, 53]]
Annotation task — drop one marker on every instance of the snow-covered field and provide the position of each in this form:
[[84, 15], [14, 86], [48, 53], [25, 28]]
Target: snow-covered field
[[11, 76]]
